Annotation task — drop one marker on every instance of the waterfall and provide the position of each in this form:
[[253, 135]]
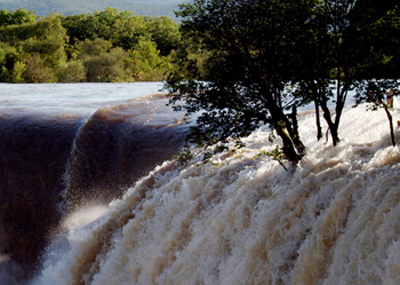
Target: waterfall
[[240, 218]]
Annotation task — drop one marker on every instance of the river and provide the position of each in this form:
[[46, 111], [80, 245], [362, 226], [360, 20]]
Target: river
[[69, 196]]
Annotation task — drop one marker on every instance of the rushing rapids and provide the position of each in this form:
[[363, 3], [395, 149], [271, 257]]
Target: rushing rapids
[[239, 218], [242, 219]]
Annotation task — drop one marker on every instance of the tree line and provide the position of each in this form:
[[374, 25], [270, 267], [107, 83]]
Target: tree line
[[247, 62], [104, 46]]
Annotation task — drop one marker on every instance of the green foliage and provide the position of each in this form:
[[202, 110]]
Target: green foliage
[[41, 30], [37, 71], [104, 63], [71, 72], [190, 60], [257, 61], [104, 46], [130, 30], [164, 32], [96, 47], [276, 154], [184, 156], [16, 73], [249, 48], [45, 37], [114, 66], [17, 17], [103, 24], [152, 66], [350, 46], [9, 60]]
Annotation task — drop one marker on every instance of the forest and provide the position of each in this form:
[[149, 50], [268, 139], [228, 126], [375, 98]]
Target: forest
[[103, 46]]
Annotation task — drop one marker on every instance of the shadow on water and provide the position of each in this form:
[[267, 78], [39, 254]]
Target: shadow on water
[[49, 166], [33, 155]]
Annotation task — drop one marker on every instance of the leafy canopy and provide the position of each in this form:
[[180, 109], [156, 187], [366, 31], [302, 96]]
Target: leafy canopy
[[249, 62]]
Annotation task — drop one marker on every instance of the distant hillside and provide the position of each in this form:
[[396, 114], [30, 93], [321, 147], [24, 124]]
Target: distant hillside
[[45, 7]]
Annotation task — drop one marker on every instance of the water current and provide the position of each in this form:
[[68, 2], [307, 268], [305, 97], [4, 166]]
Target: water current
[[69, 197], [67, 146]]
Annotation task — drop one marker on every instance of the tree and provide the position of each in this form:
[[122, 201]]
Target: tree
[[164, 32], [17, 17], [37, 71], [331, 62], [373, 92], [123, 29], [97, 39], [150, 64], [379, 30], [114, 66], [252, 60], [120, 28], [11, 65], [93, 48], [45, 37], [71, 72], [348, 49], [80, 27]]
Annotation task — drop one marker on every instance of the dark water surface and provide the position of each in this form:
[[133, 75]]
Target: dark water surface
[[62, 148]]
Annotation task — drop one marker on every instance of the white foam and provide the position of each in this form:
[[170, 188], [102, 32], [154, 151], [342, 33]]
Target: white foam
[[84, 216], [240, 220]]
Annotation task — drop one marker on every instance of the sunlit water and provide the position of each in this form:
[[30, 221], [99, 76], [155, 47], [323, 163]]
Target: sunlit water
[[240, 218]]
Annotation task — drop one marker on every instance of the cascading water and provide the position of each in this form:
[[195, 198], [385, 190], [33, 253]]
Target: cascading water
[[239, 218], [117, 145], [33, 154], [57, 160], [242, 219]]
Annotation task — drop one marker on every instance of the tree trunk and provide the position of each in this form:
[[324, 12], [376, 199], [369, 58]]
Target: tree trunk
[[333, 128], [390, 118], [389, 115], [295, 132], [292, 148], [288, 147], [319, 128]]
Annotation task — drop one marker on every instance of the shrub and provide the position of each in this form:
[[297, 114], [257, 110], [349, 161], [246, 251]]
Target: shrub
[[151, 65], [115, 66], [72, 72], [94, 48], [36, 70]]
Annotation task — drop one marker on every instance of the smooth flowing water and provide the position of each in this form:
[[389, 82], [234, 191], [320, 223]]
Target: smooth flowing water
[[238, 219], [68, 146]]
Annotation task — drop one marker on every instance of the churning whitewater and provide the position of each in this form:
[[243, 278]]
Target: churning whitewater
[[240, 218]]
